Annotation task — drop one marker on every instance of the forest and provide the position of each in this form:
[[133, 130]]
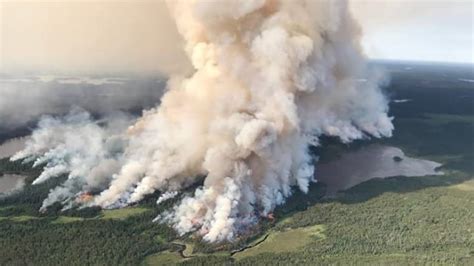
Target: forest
[[399, 220]]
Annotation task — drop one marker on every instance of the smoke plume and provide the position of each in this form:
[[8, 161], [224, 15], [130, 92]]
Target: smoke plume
[[88, 151], [271, 77], [24, 100]]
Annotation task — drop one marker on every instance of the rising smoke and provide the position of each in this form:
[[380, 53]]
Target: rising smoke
[[272, 76], [24, 100]]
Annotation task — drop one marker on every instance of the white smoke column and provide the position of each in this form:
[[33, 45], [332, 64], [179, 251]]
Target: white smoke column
[[272, 76], [166, 196]]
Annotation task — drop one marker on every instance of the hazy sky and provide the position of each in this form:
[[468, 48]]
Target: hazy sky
[[427, 30], [88, 35], [138, 35]]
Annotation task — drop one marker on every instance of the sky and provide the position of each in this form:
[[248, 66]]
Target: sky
[[417, 30], [139, 36]]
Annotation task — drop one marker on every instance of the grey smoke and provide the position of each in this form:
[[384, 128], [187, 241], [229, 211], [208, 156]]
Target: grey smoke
[[23, 99]]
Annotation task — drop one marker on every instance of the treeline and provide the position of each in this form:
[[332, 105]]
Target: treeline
[[18, 167]]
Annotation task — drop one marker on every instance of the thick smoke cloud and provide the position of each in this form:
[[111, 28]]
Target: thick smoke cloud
[[271, 77], [24, 100], [88, 151]]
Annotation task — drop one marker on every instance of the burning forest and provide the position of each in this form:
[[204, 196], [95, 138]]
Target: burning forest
[[271, 77]]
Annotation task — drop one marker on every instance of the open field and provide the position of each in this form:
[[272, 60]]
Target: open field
[[122, 213], [287, 240], [67, 219]]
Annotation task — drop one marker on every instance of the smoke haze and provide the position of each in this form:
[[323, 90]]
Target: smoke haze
[[139, 36], [24, 100], [89, 36], [417, 30]]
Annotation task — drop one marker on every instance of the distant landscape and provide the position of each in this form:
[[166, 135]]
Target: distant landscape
[[382, 221]]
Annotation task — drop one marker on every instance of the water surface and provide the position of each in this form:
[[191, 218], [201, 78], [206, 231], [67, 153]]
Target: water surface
[[10, 183], [373, 161]]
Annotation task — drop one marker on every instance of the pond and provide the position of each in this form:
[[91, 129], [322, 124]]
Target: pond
[[373, 161], [10, 183]]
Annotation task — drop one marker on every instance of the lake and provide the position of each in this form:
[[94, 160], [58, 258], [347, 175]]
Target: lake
[[372, 161], [10, 183]]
